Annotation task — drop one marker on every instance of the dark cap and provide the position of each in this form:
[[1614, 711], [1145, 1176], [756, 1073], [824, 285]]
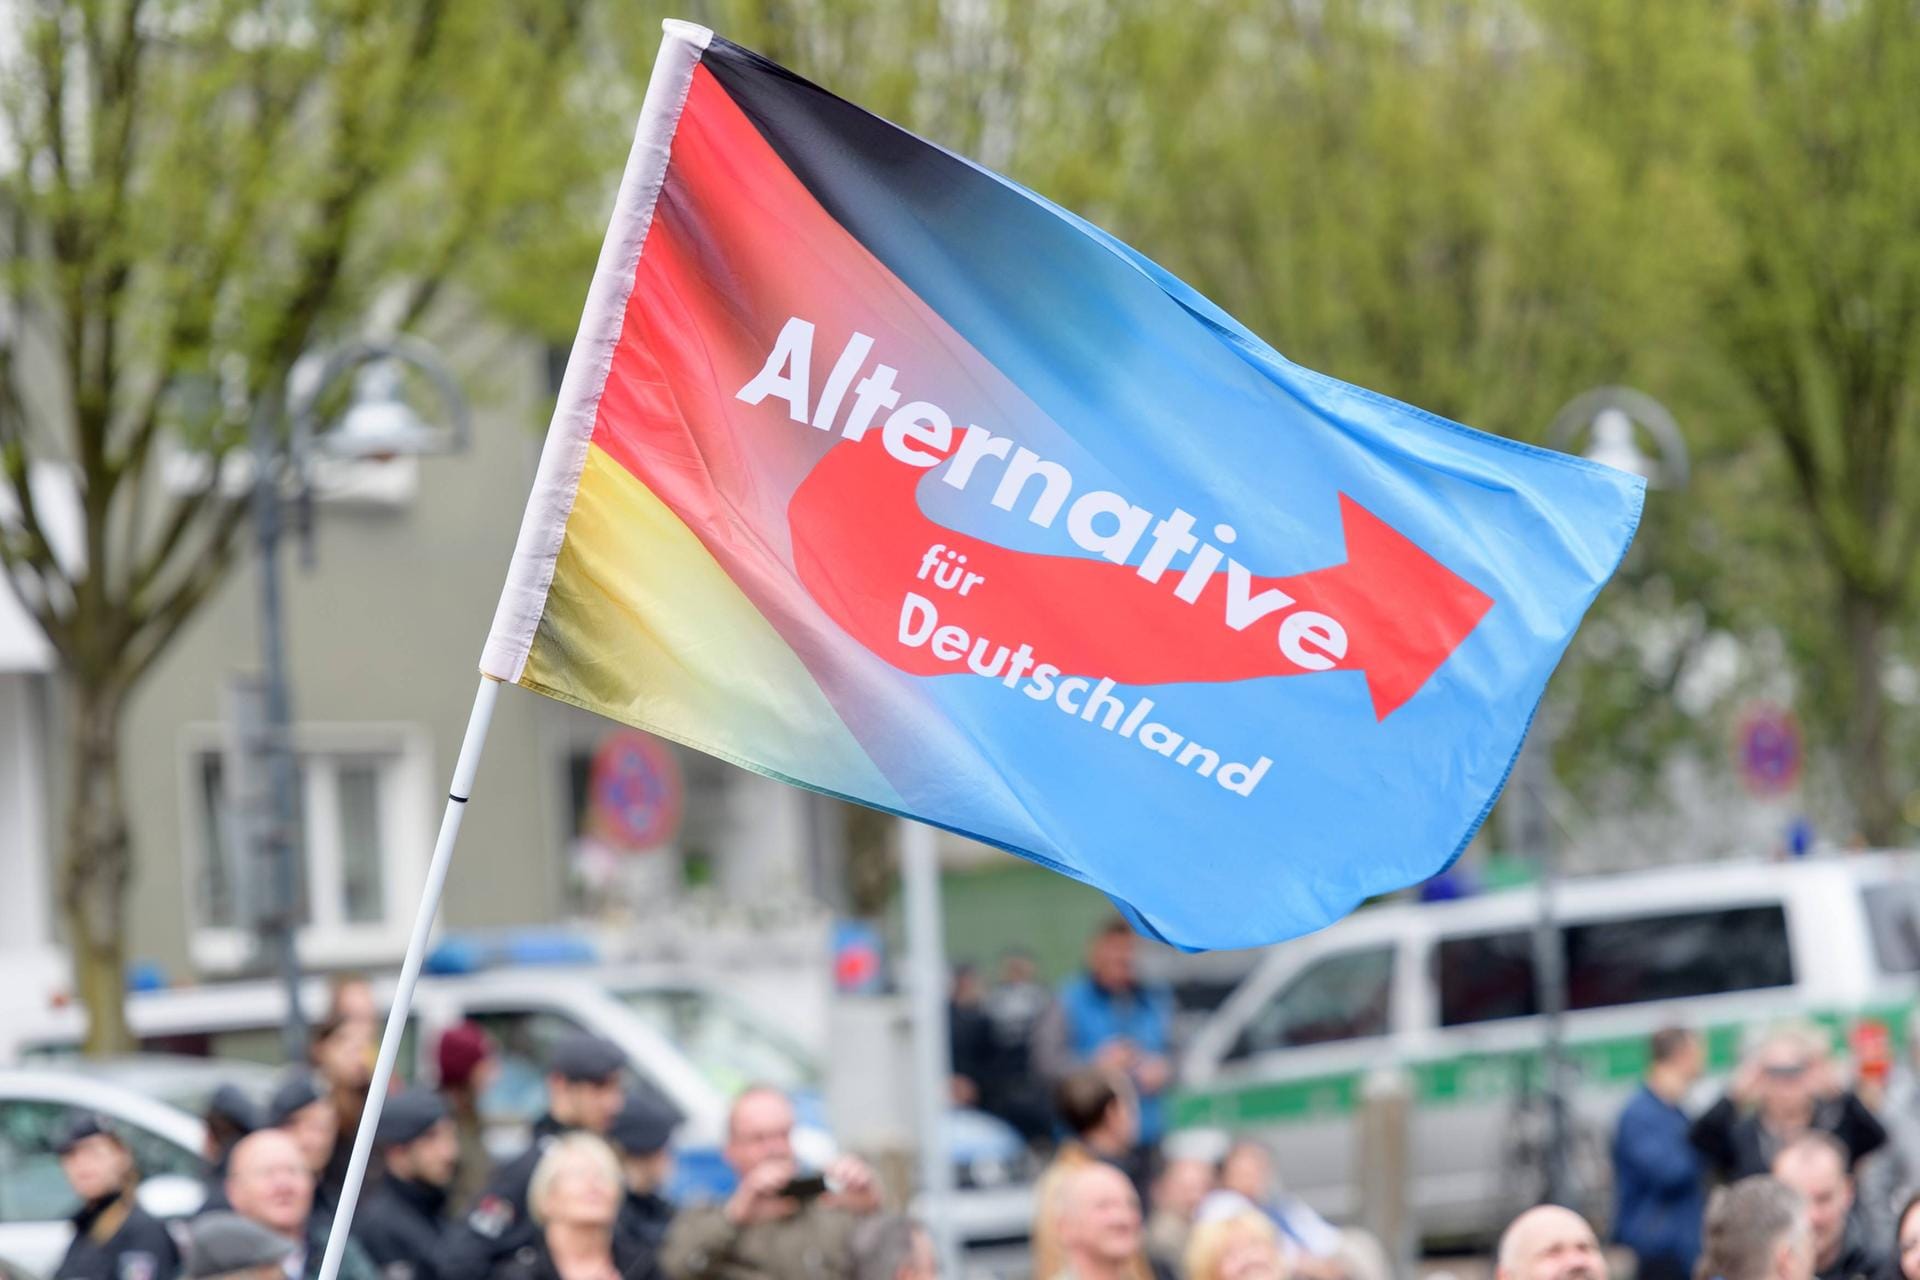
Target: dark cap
[[297, 1094], [586, 1057], [407, 1115], [88, 1124], [642, 1127], [234, 1107], [221, 1243]]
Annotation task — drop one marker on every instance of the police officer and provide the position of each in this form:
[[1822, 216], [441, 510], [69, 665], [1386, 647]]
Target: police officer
[[306, 1111], [640, 1134], [404, 1220], [113, 1237], [583, 1092], [231, 1116]]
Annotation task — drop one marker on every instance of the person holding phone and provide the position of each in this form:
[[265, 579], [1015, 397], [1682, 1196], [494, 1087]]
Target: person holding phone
[[1789, 1086], [780, 1223]]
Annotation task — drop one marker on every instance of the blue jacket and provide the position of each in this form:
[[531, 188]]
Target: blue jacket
[[1143, 1016], [1658, 1183]]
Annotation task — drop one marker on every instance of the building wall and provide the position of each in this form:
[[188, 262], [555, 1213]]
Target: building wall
[[26, 903], [383, 639]]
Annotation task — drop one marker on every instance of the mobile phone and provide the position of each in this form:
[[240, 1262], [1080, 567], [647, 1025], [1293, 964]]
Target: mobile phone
[[805, 1186]]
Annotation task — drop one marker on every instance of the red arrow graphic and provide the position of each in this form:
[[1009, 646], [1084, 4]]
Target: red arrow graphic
[[859, 538]]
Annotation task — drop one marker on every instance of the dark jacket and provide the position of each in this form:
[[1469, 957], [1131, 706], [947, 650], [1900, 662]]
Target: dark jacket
[[533, 1262], [115, 1239], [1858, 1260], [497, 1225], [1658, 1180], [354, 1262], [402, 1225], [644, 1220], [1737, 1146]]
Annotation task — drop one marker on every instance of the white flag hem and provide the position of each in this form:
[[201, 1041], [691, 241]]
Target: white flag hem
[[543, 527]]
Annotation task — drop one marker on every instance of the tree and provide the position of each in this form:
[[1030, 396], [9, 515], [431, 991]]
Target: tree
[[192, 196], [1820, 179]]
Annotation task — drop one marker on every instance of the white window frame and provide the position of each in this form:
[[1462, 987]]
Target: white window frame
[[327, 940]]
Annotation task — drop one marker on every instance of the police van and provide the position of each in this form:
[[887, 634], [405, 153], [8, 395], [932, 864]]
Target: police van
[[1444, 995]]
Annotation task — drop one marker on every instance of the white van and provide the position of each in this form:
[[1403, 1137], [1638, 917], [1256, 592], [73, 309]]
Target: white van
[[1446, 992]]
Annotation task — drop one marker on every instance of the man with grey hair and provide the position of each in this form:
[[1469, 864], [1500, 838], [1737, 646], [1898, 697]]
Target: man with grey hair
[[1755, 1229], [1549, 1243]]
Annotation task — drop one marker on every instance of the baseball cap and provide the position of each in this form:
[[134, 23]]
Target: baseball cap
[[221, 1243]]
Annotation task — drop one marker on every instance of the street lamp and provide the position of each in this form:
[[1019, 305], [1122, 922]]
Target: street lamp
[[377, 424], [1611, 421]]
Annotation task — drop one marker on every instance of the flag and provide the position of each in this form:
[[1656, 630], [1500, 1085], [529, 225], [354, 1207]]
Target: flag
[[879, 474]]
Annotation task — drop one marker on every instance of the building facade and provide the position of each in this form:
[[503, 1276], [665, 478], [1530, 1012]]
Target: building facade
[[383, 636]]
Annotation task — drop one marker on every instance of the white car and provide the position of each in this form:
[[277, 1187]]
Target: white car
[[35, 1201], [645, 1011]]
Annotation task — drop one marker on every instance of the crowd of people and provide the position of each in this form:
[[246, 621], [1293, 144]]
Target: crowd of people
[[1790, 1176], [1786, 1118]]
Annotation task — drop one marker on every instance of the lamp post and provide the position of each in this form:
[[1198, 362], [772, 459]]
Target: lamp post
[[1611, 419], [377, 424]]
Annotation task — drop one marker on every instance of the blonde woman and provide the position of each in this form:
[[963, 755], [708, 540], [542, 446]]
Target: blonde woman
[[1241, 1246], [574, 1198]]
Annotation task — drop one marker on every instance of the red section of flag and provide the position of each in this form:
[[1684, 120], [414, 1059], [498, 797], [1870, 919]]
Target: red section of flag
[[861, 543]]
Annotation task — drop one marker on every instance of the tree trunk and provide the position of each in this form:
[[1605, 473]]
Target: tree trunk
[[1876, 802], [97, 867]]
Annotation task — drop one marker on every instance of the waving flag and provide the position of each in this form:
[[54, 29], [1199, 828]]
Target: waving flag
[[877, 473]]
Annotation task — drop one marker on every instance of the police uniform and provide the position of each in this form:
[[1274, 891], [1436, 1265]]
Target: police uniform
[[403, 1223], [300, 1091], [644, 1127], [498, 1225], [232, 1110], [113, 1237]]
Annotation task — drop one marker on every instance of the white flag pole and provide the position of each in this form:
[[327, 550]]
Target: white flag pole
[[464, 769]]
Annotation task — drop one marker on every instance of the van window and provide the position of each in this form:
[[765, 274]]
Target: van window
[[1344, 996], [1671, 957], [1893, 923], [1485, 977]]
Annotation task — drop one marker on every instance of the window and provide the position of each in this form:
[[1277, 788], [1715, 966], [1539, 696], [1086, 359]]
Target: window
[[728, 1047], [1893, 925], [1338, 997], [1672, 957], [518, 1094], [364, 808], [32, 1188], [1485, 977]]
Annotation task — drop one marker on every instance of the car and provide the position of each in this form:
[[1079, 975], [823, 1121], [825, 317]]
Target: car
[[526, 1010], [177, 1080], [1445, 993], [35, 1201]]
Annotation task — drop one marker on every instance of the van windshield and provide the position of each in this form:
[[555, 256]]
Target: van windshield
[[1893, 923]]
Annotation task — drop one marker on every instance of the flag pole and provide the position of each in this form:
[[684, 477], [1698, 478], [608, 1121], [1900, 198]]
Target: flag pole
[[461, 791], [932, 1061]]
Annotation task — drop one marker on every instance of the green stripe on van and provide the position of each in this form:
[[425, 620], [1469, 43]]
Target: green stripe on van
[[1476, 1077]]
